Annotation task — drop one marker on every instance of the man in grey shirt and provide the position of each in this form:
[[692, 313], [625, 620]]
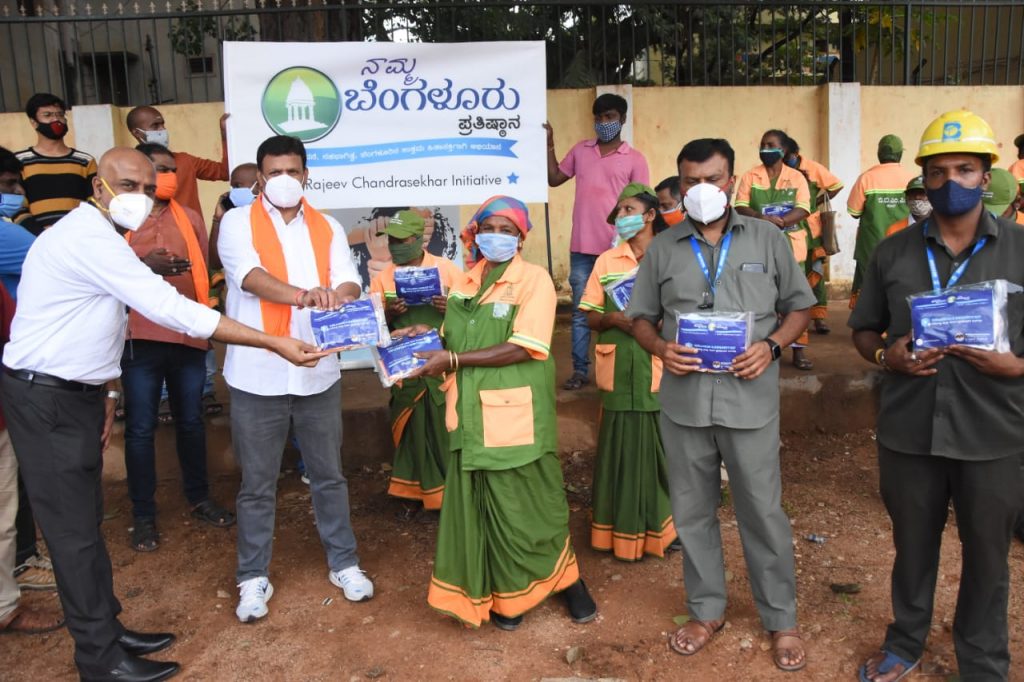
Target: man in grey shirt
[[719, 261]]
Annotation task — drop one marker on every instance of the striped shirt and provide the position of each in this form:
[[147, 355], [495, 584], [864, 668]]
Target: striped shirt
[[55, 185]]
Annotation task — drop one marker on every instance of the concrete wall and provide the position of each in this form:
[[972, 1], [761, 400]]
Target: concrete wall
[[838, 124]]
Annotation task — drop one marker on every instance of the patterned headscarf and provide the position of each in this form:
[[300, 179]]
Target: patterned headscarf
[[500, 205]]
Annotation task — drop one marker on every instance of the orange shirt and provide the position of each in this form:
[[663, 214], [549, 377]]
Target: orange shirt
[[160, 231], [451, 275], [1017, 170], [192, 168], [756, 181]]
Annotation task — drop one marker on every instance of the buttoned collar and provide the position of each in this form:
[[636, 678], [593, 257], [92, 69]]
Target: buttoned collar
[[988, 227], [687, 228], [275, 211]]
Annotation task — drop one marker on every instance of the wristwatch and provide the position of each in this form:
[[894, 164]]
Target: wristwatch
[[114, 395], [775, 348]]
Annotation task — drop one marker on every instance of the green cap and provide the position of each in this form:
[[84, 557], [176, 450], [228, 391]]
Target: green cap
[[916, 183], [405, 224], [890, 148], [1001, 192], [630, 190]]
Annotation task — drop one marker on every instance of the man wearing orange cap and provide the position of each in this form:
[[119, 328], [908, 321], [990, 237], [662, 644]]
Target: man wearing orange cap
[[932, 450]]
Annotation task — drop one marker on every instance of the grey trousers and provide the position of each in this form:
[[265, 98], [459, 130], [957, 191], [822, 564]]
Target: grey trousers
[[751, 458], [9, 592], [259, 429]]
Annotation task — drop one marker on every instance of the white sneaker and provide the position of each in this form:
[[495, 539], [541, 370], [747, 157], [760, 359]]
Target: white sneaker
[[252, 600], [353, 582]]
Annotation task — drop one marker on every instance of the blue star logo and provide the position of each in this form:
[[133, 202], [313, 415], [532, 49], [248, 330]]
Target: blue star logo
[[513, 179]]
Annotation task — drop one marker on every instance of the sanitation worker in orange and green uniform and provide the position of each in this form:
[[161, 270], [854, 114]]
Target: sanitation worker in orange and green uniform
[[632, 512], [417, 405], [877, 200], [917, 202], [503, 544]]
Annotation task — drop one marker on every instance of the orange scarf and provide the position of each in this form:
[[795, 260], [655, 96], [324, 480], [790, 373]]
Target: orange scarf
[[200, 278], [277, 317]]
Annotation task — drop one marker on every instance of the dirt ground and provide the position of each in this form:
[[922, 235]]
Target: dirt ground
[[312, 633]]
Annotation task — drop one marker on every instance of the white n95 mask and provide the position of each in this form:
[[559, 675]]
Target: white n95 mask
[[705, 203], [283, 191], [128, 211]]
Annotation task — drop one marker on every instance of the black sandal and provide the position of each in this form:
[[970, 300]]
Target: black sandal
[[209, 512], [211, 406], [145, 538]]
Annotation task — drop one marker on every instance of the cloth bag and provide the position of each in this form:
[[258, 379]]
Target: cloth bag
[[829, 240]]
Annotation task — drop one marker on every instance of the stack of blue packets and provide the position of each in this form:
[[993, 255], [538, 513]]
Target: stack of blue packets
[[621, 290], [355, 325], [397, 360], [417, 286], [717, 337]]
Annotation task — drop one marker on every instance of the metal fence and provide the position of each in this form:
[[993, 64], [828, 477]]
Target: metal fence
[[144, 51]]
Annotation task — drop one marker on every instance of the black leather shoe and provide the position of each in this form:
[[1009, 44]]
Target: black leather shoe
[[143, 643], [582, 608], [135, 669], [505, 622]]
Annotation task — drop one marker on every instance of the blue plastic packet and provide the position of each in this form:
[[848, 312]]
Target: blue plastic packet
[[354, 325], [621, 290], [717, 337], [969, 315], [418, 286], [397, 361]]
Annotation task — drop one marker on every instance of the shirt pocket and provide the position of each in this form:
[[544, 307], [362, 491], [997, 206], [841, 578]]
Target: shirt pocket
[[743, 291], [604, 366], [507, 417]]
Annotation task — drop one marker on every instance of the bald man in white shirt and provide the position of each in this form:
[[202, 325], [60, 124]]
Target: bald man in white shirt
[[60, 368]]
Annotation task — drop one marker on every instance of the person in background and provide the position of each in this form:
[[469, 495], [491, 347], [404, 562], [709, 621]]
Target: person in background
[[779, 194], [503, 545], [56, 177], [602, 166], [173, 243], [632, 513], [33, 569], [917, 203], [281, 257], [1002, 196], [822, 185], [670, 201], [14, 617], [1017, 167], [877, 200], [948, 427], [417, 404], [146, 124], [719, 259]]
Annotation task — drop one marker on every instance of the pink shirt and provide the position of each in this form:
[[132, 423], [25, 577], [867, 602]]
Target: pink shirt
[[599, 179]]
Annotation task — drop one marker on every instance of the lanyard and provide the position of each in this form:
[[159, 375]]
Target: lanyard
[[726, 242], [958, 273]]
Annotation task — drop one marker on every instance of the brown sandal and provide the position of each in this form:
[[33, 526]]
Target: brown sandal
[[780, 652], [707, 630], [28, 621]]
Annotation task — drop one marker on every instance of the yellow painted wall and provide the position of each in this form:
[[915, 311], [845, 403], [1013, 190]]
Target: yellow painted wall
[[16, 131], [906, 112]]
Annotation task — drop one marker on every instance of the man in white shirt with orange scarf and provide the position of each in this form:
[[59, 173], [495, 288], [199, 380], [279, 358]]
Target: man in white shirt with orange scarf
[[282, 256]]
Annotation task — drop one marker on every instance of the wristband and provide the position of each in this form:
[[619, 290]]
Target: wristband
[[298, 298]]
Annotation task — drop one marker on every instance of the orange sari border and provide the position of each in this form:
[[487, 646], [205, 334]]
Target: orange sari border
[[412, 490], [632, 546]]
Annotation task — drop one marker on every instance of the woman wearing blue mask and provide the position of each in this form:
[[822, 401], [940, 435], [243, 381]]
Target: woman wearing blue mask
[[632, 514], [503, 544]]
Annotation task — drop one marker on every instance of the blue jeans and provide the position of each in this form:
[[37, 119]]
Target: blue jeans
[[211, 371], [145, 366], [580, 267]]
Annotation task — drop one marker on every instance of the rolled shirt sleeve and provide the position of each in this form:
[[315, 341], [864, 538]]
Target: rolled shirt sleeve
[[743, 190], [593, 294], [855, 204], [803, 193]]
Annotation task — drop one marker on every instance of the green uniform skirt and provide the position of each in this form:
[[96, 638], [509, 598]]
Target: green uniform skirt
[[632, 512], [421, 446], [503, 543]]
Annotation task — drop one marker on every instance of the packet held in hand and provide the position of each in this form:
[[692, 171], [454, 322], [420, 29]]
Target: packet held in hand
[[968, 315], [353, 325], [621, 290], [417, 286], [397, 361], [717, 337]]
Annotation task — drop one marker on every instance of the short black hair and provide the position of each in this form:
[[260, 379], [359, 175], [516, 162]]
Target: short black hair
[[704, 148], [151, 148], [790, 146], [280, 145], [40, 100], [986, 162], [672, 185], [9, 162], [775, 132], [610, 102]]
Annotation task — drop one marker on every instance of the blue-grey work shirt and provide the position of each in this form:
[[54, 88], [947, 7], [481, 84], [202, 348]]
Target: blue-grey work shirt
[[760, 275]]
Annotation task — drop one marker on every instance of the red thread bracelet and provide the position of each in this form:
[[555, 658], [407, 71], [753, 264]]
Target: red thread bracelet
[[298, 298]]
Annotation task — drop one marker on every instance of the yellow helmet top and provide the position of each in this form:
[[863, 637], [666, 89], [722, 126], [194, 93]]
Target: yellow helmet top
[[959, 131]]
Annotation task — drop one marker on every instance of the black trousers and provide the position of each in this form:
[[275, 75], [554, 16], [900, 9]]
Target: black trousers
[[56, 437], [986, 496], [25, 524]]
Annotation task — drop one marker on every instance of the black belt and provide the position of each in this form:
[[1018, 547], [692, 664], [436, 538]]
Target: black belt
[[51, 381]]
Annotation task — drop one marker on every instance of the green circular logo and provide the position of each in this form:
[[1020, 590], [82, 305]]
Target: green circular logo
[[301, 102]]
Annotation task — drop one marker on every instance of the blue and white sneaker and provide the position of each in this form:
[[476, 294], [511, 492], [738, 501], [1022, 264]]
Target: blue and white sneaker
[[353, 583], [253, 595]]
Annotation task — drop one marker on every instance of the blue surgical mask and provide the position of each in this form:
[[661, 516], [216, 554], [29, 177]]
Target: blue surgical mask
[[793, 162], [953, 198], [241, 196], [606, 132], [497, 248], [628, 226], [10, 204]]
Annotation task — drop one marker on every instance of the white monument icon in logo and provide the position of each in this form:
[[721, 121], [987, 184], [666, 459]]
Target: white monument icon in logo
[[301, 106]]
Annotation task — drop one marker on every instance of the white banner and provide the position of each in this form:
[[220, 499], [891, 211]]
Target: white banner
[[396, 123]]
